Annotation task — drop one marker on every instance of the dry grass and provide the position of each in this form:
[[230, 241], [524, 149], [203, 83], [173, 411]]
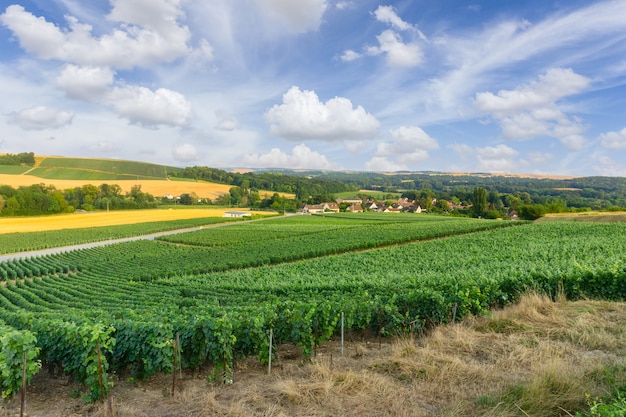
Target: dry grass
[[591, 216], [96, 219], [538, 358]]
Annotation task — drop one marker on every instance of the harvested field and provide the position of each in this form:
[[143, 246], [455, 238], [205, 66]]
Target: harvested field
[[96, 219]]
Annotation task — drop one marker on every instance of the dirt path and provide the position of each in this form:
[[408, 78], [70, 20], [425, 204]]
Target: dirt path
[[151, 236]]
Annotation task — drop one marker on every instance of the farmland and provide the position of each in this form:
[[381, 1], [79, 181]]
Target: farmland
[[100, 219], [223, 290]]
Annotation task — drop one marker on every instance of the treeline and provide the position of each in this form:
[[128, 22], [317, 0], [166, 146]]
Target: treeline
[[302, 187], [46, 199], [27, 158], [492, 204], [595, 193]]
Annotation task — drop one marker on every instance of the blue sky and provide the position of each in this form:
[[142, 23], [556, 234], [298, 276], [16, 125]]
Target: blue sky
[[487, 86]]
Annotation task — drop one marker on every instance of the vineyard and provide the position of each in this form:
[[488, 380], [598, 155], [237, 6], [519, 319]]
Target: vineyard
[[23, 242], [220, 292]]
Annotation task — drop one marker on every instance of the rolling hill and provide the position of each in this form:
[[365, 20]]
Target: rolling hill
[[64, 173]]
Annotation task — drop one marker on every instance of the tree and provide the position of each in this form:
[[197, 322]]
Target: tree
[[479, 202], [186, 199], [531, 211]]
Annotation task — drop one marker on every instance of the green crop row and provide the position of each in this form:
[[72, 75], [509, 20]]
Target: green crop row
[[21, 242]]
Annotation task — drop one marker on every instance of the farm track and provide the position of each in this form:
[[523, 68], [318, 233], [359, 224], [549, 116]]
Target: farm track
[[150, 236]]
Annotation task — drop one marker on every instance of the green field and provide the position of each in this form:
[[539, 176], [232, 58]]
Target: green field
[[222, 290], [13, 169], [99, 169]]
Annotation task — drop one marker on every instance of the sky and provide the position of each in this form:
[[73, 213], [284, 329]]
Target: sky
[[535, 86]]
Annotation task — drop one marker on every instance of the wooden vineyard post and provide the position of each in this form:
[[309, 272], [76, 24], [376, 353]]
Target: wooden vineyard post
[[100, 371], [342, 334], [174, 370], [315, 337], [23, 393], [269, 362], [380, 328]]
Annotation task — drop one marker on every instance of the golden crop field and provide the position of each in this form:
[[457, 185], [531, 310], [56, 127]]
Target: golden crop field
[[158, 188], [96, 219]]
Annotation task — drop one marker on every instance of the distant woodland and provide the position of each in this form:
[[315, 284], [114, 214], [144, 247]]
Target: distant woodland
[[477, 195]]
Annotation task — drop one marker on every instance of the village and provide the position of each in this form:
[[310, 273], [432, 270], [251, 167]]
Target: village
[[357, 205]]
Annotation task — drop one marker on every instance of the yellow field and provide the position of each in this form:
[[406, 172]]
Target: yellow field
[[96, 219], [158, 188]]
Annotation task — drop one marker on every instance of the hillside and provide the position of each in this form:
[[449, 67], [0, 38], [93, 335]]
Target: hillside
[[64, 173], [64, 168]]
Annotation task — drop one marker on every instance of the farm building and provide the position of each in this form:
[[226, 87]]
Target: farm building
[[237, 214]]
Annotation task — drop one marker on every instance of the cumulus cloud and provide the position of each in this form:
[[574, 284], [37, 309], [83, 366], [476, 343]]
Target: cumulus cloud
[[555, 84], [298, 16], [409, 145], [350, 55], [531, 110], [398, 53], [614, 140], [143, 106], [303, 116], [40, 118], [499, 158], [185, 153], [301, 157], [148, 33], [85, 83], [387, 14], [382, 164]]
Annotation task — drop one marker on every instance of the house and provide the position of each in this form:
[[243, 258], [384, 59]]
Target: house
[[320, 208], [237, 214], [355, 208], [392, 210], [371, 205], [349, 200]]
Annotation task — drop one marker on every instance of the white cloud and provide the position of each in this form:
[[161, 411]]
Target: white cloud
[[185, 153], [227, 123], [605, 166], [40, 118], [150, 108], [398, 53], [85, 83], [532, 111], [614, 140], [303, 116], [148, 34], [409, 145], [301, 157], [298, 16], [343, 5], [387, 14], [539, 158], [382, 164], [549, 88], [500, 158], [350, 55], [496, 158]]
